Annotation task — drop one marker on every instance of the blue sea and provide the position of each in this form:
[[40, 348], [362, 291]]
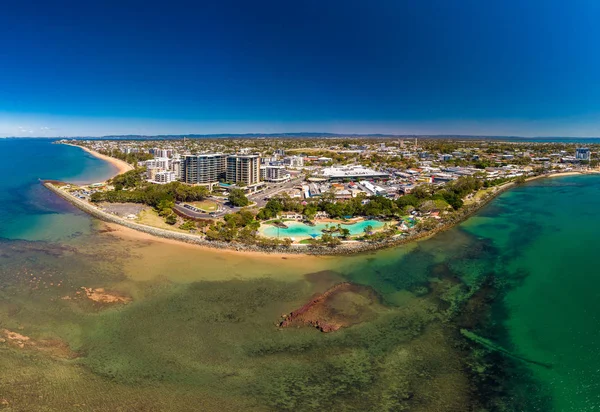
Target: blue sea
[[28, 210]]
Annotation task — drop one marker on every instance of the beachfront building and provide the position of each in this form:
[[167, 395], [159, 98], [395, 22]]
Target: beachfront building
[[243, 169], [204, 169]]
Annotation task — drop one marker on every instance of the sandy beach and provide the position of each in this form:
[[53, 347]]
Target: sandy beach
[[127, 233], [121, 165], [132, 234]]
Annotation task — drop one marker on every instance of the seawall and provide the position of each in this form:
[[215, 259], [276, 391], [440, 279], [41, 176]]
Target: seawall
[[349, 248]]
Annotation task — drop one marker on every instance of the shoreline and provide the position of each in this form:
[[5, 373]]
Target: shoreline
[[133, 230], [127, 233], [151, 233], [121, 165]]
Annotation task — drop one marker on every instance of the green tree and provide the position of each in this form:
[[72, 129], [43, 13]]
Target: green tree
[[310, 211], [165, 207], [171, 219], [238, 198], [188, 225], [344, 232], [520, 180], [130, 179]]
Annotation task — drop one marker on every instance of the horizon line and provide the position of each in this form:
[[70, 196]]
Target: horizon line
[[296, 134]]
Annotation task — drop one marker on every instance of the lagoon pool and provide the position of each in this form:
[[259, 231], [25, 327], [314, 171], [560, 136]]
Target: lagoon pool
[[298, 230]]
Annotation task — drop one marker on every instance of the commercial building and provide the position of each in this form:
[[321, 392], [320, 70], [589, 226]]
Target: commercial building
[[243, 169], [352, 172], [373, 189], [204, 169]]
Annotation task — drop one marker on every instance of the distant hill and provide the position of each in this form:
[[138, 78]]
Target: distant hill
[[295, 135], [316, 135]]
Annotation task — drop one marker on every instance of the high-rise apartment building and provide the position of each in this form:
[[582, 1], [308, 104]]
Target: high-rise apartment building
[[204, 169], [583, 153], [177, 167], [243, 169]]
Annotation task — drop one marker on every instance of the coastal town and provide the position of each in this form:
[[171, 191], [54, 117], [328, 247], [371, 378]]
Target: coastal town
[[311, 194]]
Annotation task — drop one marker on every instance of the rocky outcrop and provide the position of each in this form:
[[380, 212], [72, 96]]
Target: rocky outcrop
[[99, 295], [342, 305], [53, 347]]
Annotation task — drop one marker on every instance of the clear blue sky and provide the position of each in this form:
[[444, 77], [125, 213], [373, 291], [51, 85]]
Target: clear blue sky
[[526, 67]]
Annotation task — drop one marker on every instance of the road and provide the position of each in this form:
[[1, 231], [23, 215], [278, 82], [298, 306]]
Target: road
[[273, 190], [257, 199]]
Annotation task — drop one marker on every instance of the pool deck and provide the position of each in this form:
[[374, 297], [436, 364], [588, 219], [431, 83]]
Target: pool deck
[[334, 222]]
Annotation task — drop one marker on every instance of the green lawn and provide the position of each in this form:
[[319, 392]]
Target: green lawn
[[206, 205]]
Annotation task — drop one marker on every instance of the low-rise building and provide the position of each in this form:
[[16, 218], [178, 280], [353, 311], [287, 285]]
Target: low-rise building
[[164, 177], [294, 161], [373, 189], [274, 174], [340, 173]]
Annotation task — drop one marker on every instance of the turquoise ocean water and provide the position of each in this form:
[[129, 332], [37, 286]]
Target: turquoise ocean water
[[27, 210], [297, 229], [546, 237]]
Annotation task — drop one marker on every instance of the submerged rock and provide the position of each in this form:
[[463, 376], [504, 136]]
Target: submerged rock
[[53, 347], [342, 305], [102, 296]]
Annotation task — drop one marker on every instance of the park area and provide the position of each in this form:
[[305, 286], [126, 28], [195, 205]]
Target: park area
[[207, 206]]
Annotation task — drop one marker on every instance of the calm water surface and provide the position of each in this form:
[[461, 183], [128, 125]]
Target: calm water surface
[[27, 210], [199, 332], [298, 229]]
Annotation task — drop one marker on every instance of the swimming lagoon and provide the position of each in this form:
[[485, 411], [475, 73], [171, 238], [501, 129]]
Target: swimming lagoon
[[299, 230]]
